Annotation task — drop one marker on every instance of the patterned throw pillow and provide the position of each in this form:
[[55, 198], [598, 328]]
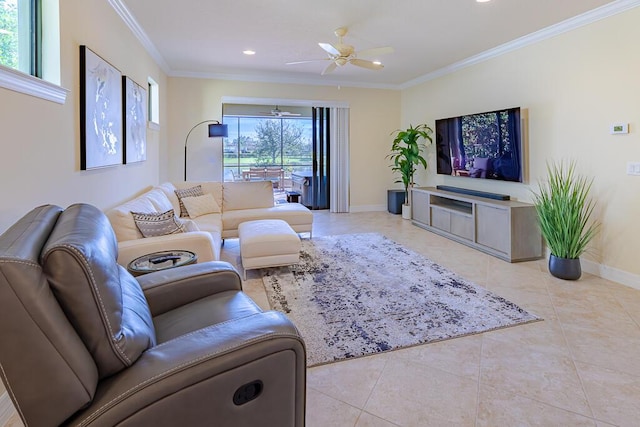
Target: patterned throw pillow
[[200, 205], [187, 192], [157, 224]]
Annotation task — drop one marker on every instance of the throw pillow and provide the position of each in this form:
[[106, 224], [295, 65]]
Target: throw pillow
[[157, 224], [200, 205], [187, 192]]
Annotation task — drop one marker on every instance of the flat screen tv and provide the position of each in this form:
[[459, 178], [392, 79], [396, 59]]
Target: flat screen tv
[[484, 145]]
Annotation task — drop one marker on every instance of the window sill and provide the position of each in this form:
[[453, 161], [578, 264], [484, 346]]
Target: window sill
[[19, 82]]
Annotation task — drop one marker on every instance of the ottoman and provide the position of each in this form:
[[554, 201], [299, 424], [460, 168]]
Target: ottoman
[[267, 243]]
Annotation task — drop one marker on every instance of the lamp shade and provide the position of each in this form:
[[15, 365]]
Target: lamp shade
[[218, 130]]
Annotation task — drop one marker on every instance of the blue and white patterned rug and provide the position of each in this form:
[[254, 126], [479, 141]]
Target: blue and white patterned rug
[[358, 294]]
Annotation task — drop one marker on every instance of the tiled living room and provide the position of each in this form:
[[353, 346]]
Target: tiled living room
[[570, 67], [574, 368]]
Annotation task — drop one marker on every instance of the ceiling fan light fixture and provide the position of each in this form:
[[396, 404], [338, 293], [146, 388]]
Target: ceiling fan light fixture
[[377, 62]]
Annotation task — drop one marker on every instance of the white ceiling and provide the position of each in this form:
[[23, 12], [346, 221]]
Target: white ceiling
[[206, 38]]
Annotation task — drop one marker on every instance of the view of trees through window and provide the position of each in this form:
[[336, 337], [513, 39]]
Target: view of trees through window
[[266, 142], [9, 33], [18, 46]]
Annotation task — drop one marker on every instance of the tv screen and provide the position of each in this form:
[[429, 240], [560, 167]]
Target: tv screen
[[484, 145]]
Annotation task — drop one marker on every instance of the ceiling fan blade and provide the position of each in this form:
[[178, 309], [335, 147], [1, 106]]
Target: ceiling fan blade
[[329, 68], [366, 64], [307, 61], [376, 51], [329, 49]]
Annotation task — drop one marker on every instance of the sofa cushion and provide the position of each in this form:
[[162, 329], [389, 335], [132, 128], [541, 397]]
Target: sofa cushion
[[158, 199], [247, 195], [210, 187], [157, 224], [293, 213], [100, 298], [169, 190], [211, 223], [200, 205], [187, 192], [122, 221]]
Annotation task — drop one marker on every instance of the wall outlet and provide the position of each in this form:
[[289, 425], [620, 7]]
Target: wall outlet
[[633, 168]]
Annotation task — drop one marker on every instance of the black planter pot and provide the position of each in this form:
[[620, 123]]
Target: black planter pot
[[565, 268]]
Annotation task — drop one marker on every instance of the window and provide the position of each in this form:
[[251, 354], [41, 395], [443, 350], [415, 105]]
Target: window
[[30, 48], [154, 103], [259, 145], [21, 35]]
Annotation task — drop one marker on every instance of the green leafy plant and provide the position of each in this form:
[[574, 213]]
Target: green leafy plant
[[406, 154], [564, 210]]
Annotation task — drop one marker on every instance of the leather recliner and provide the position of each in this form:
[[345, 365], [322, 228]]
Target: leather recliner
[[82, 342]]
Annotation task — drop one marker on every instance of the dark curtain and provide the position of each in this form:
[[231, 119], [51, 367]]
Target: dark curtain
[[320, 162]]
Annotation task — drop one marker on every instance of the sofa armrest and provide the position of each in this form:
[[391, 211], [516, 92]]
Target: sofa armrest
[[175, 287], [199, 242], [192, 380]]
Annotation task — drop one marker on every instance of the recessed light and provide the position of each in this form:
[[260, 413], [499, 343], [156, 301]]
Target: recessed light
[[249, 52], [483, 1]]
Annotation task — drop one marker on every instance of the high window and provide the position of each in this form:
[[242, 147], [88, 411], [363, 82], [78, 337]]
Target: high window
[[21, 35]]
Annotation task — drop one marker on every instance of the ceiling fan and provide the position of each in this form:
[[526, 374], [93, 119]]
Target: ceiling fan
[[277, 112], [341, 54]]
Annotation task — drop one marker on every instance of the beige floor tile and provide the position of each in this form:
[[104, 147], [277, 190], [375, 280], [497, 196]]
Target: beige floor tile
[[410, 394], [498, 408], [351, 381], [460, 356], [325, 411], [544, 376], [614, 396], [14, 421], [368, 420], [544, 336], [605, 347]]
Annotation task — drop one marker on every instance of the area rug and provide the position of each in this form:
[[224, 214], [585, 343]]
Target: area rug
[[358, 294]]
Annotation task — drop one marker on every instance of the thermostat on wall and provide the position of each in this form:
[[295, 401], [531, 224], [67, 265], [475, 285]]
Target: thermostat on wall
[[619, 128]]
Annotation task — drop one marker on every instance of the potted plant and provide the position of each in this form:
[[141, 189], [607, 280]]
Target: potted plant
[[406, 156], [564, 210]]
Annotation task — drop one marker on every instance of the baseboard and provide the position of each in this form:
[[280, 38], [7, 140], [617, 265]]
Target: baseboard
[[6, 408], [610, 273], [367, 208]]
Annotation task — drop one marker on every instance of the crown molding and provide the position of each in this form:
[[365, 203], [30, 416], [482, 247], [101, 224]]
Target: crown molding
[[140, 34], [586, 18]]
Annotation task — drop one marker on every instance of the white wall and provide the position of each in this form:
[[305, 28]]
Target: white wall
[[375, 113], [574, 87], [40, 140]]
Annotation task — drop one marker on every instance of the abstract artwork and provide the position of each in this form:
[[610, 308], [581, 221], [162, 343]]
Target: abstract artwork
[[135, 121], [100, 112]]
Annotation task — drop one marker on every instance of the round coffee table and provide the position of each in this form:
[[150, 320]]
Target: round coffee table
[[162, 260]]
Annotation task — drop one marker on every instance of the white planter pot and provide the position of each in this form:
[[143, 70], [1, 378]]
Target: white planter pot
[[406, 211]]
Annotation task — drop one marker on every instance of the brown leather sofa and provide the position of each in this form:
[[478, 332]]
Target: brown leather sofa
[[82, 342]]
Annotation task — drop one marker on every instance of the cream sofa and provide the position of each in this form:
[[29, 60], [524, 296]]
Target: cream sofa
[[237, 202]]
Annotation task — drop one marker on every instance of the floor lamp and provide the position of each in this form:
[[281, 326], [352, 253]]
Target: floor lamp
[[216, 129]]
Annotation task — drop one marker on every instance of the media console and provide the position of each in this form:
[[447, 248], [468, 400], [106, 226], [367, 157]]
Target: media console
[[503, 228]]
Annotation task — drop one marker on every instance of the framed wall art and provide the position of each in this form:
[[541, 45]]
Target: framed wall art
[[135, 121], [100, 112]]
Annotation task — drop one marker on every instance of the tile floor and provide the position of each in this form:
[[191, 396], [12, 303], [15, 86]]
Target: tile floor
[[579, 367]]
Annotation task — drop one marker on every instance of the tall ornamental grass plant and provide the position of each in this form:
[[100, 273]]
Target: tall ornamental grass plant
[[564, 210]]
